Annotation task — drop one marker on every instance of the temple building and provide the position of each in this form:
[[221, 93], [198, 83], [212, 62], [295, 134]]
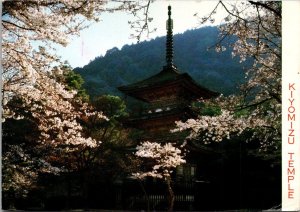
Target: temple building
[[169, 95]]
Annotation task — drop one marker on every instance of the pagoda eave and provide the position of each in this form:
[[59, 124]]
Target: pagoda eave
[[183, 83]]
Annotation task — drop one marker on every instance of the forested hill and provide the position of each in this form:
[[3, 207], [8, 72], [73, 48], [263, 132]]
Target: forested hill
[[217, 71]]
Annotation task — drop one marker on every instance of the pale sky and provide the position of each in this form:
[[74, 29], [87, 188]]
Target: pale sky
[[114, 31]]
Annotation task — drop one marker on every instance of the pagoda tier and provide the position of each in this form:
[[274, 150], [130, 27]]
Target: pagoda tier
[[160, 119], [169, 95], [169, 84]]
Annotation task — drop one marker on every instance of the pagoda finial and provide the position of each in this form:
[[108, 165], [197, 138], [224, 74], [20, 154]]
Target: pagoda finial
[[169, 43]]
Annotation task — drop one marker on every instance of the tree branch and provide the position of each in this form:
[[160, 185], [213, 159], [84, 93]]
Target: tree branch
[[277, 13], [234, 15], [21, 27]]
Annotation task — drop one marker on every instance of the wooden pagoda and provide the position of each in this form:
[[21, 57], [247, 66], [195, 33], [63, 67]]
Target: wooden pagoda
[[168, 94]]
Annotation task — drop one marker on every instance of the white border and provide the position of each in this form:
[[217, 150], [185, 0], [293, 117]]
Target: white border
[[291, 106]]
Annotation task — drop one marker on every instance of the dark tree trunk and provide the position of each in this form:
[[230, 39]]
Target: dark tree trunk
[[146, 195], [171, 198]]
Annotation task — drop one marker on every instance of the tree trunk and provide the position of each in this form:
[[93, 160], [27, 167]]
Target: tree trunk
[[69, 187], [84, 188], [146, 195], [171, 198]]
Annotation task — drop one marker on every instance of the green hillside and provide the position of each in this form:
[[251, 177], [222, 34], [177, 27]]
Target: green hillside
[[217, 71]]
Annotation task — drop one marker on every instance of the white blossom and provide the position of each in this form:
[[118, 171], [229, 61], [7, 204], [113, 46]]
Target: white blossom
[[257, 31], [30, 32], [166, 158]]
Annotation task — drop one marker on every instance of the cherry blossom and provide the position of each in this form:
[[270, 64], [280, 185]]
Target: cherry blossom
[[31, 31], [165, 158], [257, 30]]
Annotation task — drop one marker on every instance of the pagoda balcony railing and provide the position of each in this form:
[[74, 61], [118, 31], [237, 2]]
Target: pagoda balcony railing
[[153, 109]]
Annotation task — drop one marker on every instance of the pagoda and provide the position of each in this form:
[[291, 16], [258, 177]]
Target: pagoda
[[168, 94]]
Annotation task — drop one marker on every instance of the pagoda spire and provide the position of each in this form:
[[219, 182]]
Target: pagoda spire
[[169, 43]]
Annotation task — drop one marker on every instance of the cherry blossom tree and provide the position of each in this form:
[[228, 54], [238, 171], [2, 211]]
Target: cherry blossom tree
[[30, 32], [164, 159], [256, 27]]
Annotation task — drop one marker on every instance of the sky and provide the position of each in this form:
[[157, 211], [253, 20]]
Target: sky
[[114, 31]]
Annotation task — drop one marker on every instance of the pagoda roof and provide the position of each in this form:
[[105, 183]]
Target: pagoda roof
[[169, 75]]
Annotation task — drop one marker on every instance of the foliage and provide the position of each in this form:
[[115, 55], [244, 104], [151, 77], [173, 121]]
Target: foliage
[[113, 106], [111, 130], [30, 32], [18, 169], [73, 81], [110, 159], [206, 108], [257, 108]]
